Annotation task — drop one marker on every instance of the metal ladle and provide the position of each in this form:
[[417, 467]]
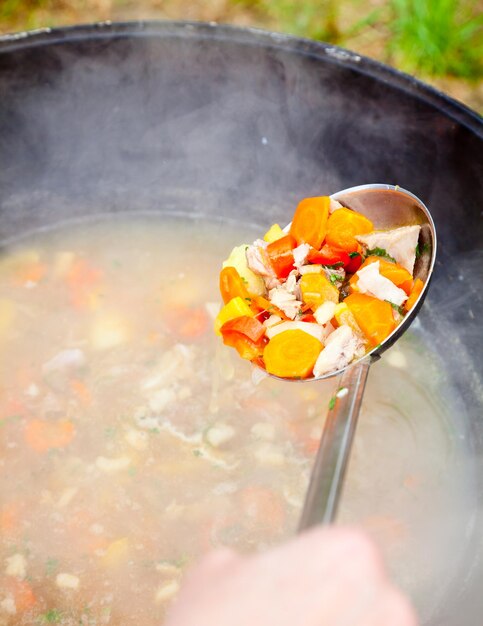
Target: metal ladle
[[387, 207]]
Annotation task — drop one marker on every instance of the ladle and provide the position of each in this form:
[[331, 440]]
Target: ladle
[[388, 207]]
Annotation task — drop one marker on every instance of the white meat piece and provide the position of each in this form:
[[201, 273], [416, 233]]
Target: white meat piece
[[371, 282], [290, 284], [340, 348], [272, 321], [399, 243], [258, 261], [300, 254], [70, 358], [219, 434], [112, 465], [334, 205], [166, 592], [285, 301], [325, 312]]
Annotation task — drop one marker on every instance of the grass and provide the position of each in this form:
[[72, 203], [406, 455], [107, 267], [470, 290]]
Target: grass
[[437, 37]]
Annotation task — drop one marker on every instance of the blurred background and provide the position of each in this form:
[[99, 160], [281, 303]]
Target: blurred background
[[439, 41]]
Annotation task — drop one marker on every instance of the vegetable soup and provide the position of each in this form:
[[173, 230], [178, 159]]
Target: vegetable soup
[[132, 441]]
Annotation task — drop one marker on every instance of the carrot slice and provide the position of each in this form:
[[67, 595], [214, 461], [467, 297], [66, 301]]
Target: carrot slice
[[414, 295], [43, 435], [265, 306], [373, 316], [186, 321], [22, 593], [232, 285], [343, 225], [245, 347], [316, 289], [309, 224], [264, 506], [292, 354]]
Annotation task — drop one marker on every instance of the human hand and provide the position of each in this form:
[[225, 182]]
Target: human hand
[[325, 577]]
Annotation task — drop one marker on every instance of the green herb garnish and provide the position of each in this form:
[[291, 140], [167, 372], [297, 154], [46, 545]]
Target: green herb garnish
[[420, 250], [334, 266], [334, 278], [396, 307], [51, 566], [332, 403], [353, 254], [53, 616], [382, 253]]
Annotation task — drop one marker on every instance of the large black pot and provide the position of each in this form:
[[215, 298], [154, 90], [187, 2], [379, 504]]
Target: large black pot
[[217, 120]]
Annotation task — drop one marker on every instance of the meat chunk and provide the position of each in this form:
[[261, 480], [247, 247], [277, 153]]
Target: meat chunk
[[300, 254], [374, 284], [258, 261], [341, 347], [285, 301], [399, 243]]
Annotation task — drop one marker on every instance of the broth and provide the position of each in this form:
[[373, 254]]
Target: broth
[[132, 441]]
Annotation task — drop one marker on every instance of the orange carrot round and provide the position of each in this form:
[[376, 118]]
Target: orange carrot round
[[292, 354], [414, 295], [373, 316], [343, 225], [309, 224], [232, 285], [43, 435]]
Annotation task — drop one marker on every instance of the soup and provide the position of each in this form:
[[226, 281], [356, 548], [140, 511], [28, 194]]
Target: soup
[[132, 441]]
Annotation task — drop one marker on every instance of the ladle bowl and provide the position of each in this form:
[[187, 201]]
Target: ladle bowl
[[387, 206]]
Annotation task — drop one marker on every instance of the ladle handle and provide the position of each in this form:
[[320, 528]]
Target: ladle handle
[[330, 465]]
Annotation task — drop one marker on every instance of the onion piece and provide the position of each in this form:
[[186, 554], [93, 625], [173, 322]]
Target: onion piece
[[307, 327]]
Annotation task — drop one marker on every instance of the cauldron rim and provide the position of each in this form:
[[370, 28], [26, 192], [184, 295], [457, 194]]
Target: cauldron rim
[[329, 53]]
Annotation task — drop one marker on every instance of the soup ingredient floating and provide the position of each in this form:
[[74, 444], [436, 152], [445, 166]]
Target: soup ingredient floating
[[309, 299]]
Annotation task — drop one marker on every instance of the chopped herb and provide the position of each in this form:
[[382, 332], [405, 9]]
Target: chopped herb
[[155, 431], [53, 616], [353, 254], [334, 278], [420, 250], [248, 299], [382, 253], [244, 280], [51, 566], [197, 453], [246, 248], [396, 307], [332, 403], [334, 266]]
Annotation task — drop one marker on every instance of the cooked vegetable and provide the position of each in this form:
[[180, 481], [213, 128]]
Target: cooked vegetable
[[280, 253], [273, 233], [238, 260], [414, 295], [317, 289], [232, 285], [373, 316], [43, 435], [292, 354], [309, 224], [318, 286], [343, 226], [236, 307]]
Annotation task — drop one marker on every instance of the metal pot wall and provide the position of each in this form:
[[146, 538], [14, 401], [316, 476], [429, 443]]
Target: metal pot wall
[[214, 120]]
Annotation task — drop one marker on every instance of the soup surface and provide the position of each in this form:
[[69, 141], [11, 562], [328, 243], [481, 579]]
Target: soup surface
[[132, 441]]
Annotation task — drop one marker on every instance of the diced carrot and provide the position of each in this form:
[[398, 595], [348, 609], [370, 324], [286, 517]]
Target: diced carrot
[[30, 273], [343, 225], [394, 272], [232, 285], [291, 354], [188, 322], [309, 224], [245, 325], [9, 519], [81, 390], [83, 281], [373, 316], [264, 506], [414, 295], [301, 433], [316, 289], [43, 435], [281, 255], [22, 593]]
